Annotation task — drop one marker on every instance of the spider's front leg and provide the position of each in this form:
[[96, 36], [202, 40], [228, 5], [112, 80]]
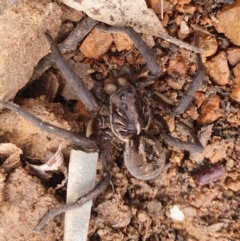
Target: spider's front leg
[[83, 142], [73, 79], [106, 157], [81, 90]]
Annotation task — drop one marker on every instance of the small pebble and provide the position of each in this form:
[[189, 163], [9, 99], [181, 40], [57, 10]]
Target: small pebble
[[122, 41], [184, 29], [142, 216], [210, 110], [218, 70], [235, 93], [233, 55], [228, 17], [236, 71], [209, 45], [176, 213], [96, 44], [177, 65], [233, 185]]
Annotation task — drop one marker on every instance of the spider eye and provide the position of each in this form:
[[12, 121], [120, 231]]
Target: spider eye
[[122, 96], [124, 106]]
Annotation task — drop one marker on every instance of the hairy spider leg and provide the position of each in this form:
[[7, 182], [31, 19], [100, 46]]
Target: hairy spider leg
[[83, 142], [73, 79], [104, 155], [147, 53], [188, 96], [194, 146]]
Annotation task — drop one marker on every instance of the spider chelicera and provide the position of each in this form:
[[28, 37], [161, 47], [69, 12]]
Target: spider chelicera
[[126, 118]]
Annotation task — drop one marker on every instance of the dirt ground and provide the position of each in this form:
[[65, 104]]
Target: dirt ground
[[207, 199]]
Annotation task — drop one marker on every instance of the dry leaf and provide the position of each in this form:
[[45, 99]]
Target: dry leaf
[[121, 13], [53, 164]]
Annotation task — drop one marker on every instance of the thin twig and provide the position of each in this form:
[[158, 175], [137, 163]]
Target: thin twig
[[161, 9], [179, 43], [146, 230], [198, 28]]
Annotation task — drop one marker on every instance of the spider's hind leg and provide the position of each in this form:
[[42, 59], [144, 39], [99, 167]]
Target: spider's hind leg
[[188, 96], [194, 146], [106, 156], [148, 77]]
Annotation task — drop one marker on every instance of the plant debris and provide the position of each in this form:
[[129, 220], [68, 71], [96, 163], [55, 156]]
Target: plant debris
[[53, 164]]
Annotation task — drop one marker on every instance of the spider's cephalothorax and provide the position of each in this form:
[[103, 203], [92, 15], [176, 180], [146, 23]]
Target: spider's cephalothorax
[[129, 116]]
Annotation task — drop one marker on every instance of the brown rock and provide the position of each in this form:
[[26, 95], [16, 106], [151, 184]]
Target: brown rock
[[218, 69], [184, 30], [81, 110], [233, 56], [192, 112], [155, 5], [96, 44], [186, 9], [210, 111], [177, 65], [182, 2], [130, 59], [70, 14], [235, 93], [206, 21], [217, 150], [236, 71], [209, 45], [23, 41], [234, 185], [122, 41], [229, 22], [178, 19], [117, 60], [234, 120], [199, 98], [176, 84]]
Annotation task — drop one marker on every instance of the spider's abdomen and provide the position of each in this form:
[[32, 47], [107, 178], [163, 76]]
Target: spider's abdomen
[[129, 114]]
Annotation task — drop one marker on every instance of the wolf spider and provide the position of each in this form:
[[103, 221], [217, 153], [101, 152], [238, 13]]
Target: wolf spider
[[126, 118]]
